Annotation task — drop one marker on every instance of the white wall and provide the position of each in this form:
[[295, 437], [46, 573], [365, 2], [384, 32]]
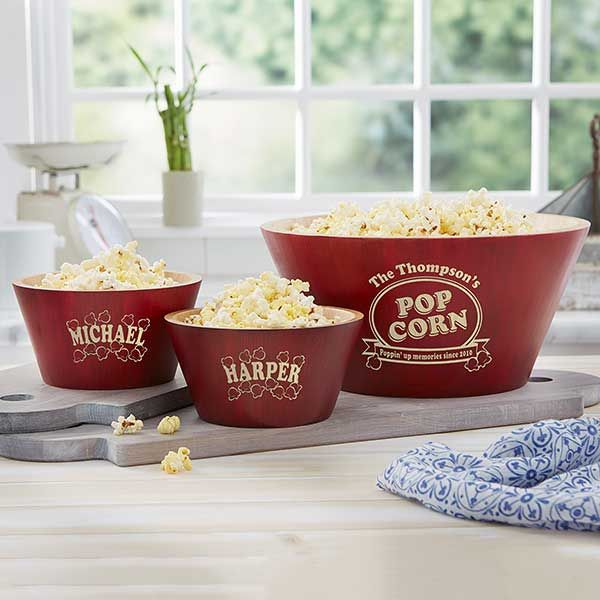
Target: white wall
[[15, 121]]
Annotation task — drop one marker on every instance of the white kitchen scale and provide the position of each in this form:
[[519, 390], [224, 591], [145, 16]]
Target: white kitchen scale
[[86, 222]]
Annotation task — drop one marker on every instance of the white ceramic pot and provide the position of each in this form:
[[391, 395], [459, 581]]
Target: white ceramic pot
[[183, 193]]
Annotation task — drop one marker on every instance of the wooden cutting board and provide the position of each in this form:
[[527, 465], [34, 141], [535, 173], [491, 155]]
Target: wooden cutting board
[[27, 404], [550, 394]]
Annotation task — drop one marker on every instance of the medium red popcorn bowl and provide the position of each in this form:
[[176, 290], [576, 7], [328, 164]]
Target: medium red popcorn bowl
[[103, 340], [265, 377], [447, 316]]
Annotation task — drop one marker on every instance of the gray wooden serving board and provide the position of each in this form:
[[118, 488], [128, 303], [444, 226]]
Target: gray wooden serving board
[[557, 394], [27, 404]]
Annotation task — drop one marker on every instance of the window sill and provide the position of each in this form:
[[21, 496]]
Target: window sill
[[216, 225]]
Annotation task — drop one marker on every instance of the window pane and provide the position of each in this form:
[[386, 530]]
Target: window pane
[[100, 31], [245, 146], [138, 169], [476, 41], [245, 42], [361, 147], [570, 142], [363, 41], [480, 144], [228, 138], [575, 40]]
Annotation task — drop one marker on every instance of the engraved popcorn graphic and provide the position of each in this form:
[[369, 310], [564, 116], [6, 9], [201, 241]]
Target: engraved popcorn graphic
[[374, 362], [251, 374], [99, 337], [482, 358]]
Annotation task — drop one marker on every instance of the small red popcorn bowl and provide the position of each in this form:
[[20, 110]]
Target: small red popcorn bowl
[[106, 339], [265, 377], [447, 316]]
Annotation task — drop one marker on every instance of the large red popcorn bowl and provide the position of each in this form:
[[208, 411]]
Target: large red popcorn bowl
[[447, 316], [103, 340], [265, 377]]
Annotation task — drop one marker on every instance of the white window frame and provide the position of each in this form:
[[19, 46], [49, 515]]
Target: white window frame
[[54, 96]]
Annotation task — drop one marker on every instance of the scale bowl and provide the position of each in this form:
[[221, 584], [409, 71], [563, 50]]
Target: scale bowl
[[447, 316], [65, 157], [265, 377], [106, 339]]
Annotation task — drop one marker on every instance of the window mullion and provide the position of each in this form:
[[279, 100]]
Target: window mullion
[[52, 71], [422, 103], [53, 120], [180, 40], [303, 84], [540, 107]]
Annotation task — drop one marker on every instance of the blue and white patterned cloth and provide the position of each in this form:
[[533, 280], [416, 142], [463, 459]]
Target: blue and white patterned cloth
[[542, 475]]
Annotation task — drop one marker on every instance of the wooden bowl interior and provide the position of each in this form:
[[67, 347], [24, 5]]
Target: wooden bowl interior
[[34, 281], [343, 315], [543, 223]]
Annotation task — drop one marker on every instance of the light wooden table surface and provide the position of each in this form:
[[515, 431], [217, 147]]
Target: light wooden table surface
[[306, 523]]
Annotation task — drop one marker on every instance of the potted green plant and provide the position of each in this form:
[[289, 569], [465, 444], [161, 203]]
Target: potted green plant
[[183, 187]]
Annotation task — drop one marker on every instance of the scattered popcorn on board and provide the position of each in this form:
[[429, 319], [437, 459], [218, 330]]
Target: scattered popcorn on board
[[125, 425], [169, 425]]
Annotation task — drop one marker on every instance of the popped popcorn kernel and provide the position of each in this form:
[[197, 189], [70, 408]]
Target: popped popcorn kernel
[[118, 268], [127, 425], [170, 463], [175, 462], [169, 425], [477, 214], [263, 302]]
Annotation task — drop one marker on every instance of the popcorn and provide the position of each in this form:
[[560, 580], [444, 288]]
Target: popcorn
[[127, 425], [262, 302], [174, 462], [119, 268], [169, 425], [476, 214]]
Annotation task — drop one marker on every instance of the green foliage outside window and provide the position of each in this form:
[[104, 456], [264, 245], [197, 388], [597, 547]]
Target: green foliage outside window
[[251, 42]]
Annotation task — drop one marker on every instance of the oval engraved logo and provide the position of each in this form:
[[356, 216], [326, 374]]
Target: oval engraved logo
[[425, 312], [426, 320]]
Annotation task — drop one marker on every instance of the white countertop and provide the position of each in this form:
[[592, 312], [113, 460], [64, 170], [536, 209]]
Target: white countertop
[[215, 225], [293, 524]]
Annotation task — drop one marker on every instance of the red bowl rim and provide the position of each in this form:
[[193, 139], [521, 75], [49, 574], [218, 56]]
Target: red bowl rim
[[176, 318], [189, 279], [568, 224]]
